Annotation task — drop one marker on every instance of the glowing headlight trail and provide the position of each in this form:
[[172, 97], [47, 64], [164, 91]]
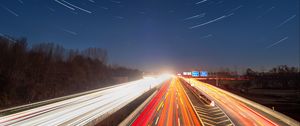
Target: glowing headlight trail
[[237, 107], [170, 107], [83, 109]]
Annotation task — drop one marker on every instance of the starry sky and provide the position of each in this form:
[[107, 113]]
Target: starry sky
[[164, 34]]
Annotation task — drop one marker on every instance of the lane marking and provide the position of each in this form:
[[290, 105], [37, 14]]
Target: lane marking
[[160, 105], [208, 124], [156, 120], [223, 121], [209, 121], [181, 101], [221, 117]]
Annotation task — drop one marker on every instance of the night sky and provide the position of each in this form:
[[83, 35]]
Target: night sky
[[164, 34]]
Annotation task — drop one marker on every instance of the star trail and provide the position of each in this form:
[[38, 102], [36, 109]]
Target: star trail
[[145, 34]]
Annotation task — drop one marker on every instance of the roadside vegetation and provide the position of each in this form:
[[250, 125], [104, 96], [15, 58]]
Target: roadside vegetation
[[277, 88], [281, 77], [47, 70]]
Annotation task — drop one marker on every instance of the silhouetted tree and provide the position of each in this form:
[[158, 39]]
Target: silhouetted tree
[[48, 70], [280, 77]]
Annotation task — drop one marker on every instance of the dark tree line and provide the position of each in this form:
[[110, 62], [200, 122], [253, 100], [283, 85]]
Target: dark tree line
[[47, 70], [280, 77]]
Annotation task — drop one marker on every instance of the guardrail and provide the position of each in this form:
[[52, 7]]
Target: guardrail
[[280, 116], [45, 102], [277, 115], [197, 93], [87, 109], [193, 108], [137, 111]]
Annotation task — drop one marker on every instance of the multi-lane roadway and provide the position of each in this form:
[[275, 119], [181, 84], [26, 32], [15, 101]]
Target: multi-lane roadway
[[83, 109], [174, 104], [242, 111], [170, 107]]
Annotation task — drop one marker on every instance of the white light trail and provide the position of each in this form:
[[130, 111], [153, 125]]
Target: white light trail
[[196, 16], [69, 31], [114, 1], [83, 109], [92, 1], [235, 9], [266, 12], [206, 36], [201, 1], [20, 1], [64, 5], [281, 40], [10, 11], [105, 8], [285, 21], [87, 11], [211, 21]]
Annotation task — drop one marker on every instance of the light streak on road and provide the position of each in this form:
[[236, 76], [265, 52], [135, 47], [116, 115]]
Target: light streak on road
[[169, 107], [239, 109], [83, 109]]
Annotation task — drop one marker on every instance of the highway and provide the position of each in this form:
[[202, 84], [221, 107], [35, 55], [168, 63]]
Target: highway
[[242, 111], [170, 107], [84, 109]]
